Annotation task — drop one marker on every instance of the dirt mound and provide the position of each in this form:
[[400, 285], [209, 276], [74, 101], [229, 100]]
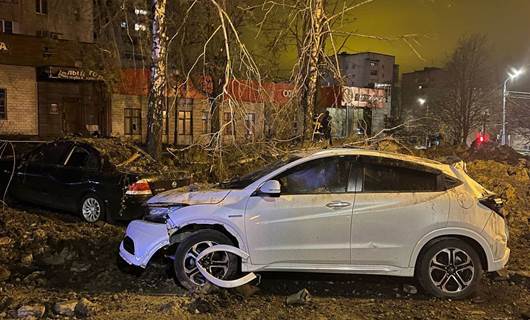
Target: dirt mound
[[496, 152]]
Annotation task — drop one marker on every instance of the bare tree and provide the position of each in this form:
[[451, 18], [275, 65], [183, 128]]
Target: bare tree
[[158, 82], [468, 89]]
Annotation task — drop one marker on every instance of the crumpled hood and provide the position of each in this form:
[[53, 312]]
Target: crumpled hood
[[189, 198]]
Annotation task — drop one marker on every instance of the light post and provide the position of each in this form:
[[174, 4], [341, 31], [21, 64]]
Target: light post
[[511, 76], [422, 102]]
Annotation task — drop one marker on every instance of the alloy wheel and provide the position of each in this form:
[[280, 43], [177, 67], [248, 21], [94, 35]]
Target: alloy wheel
[[451, 270], [91, 209], [216, 263]]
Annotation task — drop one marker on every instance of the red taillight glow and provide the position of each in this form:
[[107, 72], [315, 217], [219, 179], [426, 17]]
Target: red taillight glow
[[140, 187]]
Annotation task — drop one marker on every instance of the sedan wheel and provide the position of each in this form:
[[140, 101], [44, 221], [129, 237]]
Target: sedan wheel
[[450, 268], [91, 209]]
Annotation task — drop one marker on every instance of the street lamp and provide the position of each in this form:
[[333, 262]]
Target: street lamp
[[422, 102], [511, 76]]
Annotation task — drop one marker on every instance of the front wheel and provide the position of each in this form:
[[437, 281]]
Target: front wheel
[[450, 268], [222, 265]]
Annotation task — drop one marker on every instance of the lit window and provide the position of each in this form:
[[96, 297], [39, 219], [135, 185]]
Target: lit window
[[140, 27], [123, 25], [41, 6], [184, 123], [140, 12]]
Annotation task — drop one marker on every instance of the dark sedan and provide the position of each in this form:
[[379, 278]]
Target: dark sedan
[[76, 176]]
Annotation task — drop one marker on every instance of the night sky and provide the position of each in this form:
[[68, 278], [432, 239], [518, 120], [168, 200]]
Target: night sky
[[442, 22]]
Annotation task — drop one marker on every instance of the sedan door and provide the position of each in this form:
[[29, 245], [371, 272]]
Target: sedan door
[[309, 223], [34, 174], [397, 204], [75, 177]]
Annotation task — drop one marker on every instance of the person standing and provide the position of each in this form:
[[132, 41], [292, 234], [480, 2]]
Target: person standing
[[325, 125]]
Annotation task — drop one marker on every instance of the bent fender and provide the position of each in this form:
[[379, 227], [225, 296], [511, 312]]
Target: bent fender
[[216, 281]]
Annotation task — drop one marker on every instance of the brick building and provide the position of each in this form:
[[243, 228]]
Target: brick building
[[45, 89], [242, 114]]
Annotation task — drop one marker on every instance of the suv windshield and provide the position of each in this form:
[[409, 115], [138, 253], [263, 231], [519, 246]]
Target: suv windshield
[[244, 181]]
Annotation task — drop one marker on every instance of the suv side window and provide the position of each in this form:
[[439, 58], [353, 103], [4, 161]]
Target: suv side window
[[396, 176], [326, 175]]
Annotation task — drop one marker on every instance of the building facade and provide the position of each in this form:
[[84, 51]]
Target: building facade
[[56, 19], [45, 87], [420, 84]]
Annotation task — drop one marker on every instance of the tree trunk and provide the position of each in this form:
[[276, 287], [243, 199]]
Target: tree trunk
[[310, 86], [157, 92]]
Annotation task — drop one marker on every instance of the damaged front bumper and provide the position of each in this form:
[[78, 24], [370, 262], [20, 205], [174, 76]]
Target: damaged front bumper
[[142, 240]]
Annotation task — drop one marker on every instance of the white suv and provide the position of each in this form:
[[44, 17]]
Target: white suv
[[337, 211]]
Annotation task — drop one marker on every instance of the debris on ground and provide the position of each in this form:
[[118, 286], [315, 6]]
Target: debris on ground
[[66, 308], [31, 311], [300, 298], [410, 289]]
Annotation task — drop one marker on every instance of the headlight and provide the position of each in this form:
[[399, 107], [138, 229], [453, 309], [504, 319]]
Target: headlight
[[160, 214]]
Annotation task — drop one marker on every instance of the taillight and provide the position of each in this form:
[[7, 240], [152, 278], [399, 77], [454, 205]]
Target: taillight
[[140, 187], [494, 203]]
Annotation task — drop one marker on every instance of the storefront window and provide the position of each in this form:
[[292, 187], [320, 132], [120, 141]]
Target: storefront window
[[3, 104], [133, 122]]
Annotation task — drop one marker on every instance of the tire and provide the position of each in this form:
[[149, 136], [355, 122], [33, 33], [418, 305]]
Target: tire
[[92, 208], [184, 264], [449, 268]]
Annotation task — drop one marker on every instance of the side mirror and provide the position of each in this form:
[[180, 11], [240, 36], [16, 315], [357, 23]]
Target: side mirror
[[270, 188]]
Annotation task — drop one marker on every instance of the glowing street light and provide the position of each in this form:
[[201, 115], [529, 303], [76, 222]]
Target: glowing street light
[[512, 75], [422, 101]]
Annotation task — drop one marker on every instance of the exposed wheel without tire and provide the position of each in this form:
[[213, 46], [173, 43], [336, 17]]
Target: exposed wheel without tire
[[92, 208], [450, 268], [222, 265]]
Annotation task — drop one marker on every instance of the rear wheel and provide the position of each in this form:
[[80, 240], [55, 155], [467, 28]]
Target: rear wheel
[[222, 265], [92, 208], [450, 268]]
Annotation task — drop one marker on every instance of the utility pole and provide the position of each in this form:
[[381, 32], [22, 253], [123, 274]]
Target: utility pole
[[512, 76]]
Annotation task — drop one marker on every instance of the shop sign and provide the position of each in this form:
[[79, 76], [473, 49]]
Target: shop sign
[[363, 97], [3, 47], [72, 74]]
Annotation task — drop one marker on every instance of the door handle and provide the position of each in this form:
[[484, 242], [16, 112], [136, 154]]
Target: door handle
[[338, 204]]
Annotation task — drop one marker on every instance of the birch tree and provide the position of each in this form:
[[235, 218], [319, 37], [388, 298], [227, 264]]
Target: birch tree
[[158, 81]]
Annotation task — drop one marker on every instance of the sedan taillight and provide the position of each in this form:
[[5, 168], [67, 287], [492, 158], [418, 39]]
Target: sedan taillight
[[140, 187]]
